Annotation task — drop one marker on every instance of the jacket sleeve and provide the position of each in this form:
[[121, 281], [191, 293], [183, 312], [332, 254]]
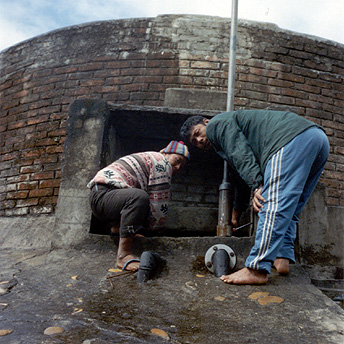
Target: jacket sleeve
[[231, 144]]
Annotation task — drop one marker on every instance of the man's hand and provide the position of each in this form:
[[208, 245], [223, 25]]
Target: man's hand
[[235, 218], [258, 200]]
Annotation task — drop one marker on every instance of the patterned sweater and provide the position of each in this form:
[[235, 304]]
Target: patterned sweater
[[149, 171]]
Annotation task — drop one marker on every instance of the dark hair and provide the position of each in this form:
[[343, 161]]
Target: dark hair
[[185, 130]]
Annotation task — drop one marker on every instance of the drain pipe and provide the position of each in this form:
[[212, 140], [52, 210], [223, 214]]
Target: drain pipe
[[220, 260], [224, 227], [150, 264]]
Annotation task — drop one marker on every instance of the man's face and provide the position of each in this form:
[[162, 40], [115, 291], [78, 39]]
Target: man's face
[[198, 136], [177, 161]]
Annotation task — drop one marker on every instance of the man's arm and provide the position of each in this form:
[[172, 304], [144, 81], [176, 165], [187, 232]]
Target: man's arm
[[232, 145]]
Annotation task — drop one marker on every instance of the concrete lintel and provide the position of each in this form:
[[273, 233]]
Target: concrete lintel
[[195, 99]]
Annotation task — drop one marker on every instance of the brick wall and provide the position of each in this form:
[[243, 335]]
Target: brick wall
[[134, 62]]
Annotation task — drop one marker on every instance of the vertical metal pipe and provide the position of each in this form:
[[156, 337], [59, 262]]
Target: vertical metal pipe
[[224, 227], [232, 56]]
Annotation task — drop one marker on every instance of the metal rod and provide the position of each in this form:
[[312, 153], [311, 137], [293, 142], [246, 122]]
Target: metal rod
[[224, 227], [243, 226]]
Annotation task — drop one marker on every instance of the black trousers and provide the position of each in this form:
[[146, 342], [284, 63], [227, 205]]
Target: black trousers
[[128, 207]]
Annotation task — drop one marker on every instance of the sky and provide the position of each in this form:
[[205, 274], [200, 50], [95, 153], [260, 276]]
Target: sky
[[24, 19]]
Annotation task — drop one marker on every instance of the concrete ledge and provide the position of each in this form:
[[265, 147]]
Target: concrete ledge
[[23, 232], [171, 246]]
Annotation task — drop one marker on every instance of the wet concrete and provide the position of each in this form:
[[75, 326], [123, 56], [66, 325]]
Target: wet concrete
[[70, 289]]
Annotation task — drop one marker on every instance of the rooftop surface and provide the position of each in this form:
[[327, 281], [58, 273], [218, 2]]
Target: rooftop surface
[[69, 289]]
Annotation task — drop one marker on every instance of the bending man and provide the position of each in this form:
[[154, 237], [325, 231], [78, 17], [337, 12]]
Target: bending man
[[134, 192], [280, 156]]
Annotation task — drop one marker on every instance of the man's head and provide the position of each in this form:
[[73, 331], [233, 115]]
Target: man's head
[[194, 131], [177, 154]]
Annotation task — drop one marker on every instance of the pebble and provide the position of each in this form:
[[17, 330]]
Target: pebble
[[270, 299], [53, 330], [264, 298], [160, 333], [258, 294], [5, 332]]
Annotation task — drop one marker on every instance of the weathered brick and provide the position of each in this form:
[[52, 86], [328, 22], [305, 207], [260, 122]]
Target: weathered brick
[[119, 80], [27, 185], [39, 104], [64, 70], [48, 200], [39, 74], [41, 209], [120, 64], [54, 149], [17, 211], [7, 84], [9, 104], [45, 142], [41, 192], [31, 169], [106, 73], [27, 202], [37, 120], [135, 87], [291, 77], [36, 136], [106, 89], [91, 83], [32, 153], [307, 88], [42, 175], [54, 183], [204, 65], [281, 99], [144, 95], [7, 204], [294, 93], [17, 194], [90, 66]]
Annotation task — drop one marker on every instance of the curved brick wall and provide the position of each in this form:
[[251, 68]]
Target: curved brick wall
[[134, 62]]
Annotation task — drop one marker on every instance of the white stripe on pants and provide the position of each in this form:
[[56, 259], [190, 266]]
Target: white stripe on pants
[[289, 179]]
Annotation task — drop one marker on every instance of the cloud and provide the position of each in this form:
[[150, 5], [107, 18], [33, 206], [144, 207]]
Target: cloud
[[23, 19], [313, 17]]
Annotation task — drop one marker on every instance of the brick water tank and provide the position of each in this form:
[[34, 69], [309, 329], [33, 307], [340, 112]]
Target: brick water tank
[[134, 62]]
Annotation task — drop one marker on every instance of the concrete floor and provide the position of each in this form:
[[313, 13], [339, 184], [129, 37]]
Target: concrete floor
[[69, 289]]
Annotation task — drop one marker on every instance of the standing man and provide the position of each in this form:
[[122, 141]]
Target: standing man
[[134, 192], [280, 156]]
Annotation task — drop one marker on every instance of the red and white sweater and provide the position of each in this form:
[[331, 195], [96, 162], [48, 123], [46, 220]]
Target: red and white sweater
[[149, 171]]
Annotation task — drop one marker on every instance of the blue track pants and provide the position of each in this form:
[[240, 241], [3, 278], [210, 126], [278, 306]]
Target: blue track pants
[[289, 180]]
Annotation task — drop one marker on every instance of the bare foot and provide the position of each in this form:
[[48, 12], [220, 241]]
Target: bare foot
[[124, 254], [246, 276], [133, 266], [282, 265]]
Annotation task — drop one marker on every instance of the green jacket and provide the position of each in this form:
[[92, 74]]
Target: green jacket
[[248, 139]]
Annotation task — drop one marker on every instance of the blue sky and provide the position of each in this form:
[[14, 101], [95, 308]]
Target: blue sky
[[24, 19]]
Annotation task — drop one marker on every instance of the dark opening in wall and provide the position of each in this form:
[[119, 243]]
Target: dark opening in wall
[[194, 193]]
